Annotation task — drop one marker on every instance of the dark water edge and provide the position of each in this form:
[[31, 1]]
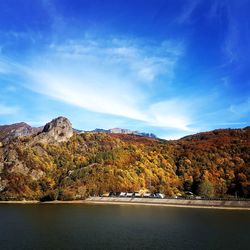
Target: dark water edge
[[83, 226]]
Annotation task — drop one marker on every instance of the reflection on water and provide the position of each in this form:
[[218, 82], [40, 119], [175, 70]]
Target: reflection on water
[[75, 226]]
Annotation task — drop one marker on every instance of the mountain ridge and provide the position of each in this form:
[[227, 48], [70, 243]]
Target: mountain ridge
[[123, 131], [57, 163], [11, 131]]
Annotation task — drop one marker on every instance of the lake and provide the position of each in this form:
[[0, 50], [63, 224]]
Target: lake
[[82, 226]]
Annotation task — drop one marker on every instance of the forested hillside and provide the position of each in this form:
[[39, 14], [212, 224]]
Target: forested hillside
[[212, 164]]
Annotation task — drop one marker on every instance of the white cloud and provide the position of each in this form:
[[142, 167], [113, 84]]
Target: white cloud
[[174, 136], [143, 62], [87, 92], [174, 113], [7, 110], [107, 77], [105, 97]]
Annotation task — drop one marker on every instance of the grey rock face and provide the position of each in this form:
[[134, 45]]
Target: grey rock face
[[58, 130]]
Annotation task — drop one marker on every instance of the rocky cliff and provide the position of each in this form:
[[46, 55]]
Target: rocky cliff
[[58, 130]]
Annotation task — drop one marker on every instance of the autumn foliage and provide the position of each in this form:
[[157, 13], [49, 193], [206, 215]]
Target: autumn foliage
[[213, 164]]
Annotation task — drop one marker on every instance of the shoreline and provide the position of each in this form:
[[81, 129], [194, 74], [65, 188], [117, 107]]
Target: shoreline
[[166, 205], [214, 204], [148, 202]]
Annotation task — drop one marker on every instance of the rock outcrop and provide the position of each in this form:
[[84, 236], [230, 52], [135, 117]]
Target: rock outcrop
[[58, 130]]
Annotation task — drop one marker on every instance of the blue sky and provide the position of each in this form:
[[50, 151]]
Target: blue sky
[[171, 67]]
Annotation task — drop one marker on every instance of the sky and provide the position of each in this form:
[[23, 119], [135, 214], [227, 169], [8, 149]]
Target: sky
[[169, 67]]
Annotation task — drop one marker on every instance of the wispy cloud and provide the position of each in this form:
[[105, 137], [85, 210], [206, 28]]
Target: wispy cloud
[[236, 43], [4, 69], [241, 110], [86, 92], [145, 62], [114, 78], [7, 110], [89, 62], [230, 46], [107, 77], [232, 115], [188, 9], [173, 113]]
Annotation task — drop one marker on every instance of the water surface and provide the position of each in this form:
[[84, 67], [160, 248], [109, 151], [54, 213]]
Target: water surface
[[82, 226]]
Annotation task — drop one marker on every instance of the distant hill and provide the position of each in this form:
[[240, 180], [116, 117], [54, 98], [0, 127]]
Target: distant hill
[[57, 162], [8, 132], [219, 134], [123, 131]]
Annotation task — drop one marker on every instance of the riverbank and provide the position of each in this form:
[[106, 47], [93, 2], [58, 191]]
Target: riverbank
[[211, 204], [214, 204]]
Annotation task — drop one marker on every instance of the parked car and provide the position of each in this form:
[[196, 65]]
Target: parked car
[[123, 194], [160, 195], [112, 194], [129, 194], [146, 195], [137, 195]]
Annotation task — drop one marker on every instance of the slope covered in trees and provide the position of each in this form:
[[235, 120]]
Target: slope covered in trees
[[212, 164]]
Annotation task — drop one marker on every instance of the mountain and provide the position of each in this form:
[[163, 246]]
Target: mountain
[[220, 134], [9, 132], [123, 131], [58, 130], [58, 163]]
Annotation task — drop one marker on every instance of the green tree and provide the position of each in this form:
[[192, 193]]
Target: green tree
[[206, 189]]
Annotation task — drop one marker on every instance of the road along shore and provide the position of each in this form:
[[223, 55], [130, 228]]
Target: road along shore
[[212, 204], [218, 204]]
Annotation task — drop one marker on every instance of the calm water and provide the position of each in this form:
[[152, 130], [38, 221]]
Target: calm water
[[75, 226]]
